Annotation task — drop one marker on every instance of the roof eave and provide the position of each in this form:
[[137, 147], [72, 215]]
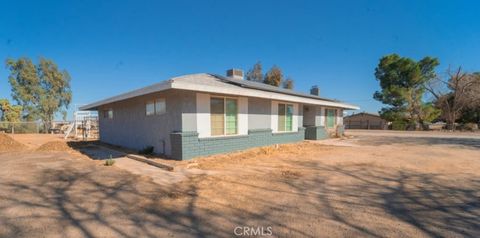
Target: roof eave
[[139, 92], [249, 92]]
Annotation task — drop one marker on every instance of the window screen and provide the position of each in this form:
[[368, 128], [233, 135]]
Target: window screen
[[289, 118], [281, 117], [108, 113], [217, 114], [150, 108], [160, 106], [223, 116], [285, 117], [231, 116]]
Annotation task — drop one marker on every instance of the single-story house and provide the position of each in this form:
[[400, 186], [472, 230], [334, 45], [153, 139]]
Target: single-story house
[[365, 120], [203, 114]]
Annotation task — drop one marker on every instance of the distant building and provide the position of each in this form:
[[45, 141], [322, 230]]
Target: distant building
[[365, 120]]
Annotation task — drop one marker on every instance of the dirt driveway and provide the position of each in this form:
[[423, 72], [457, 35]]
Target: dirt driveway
[[368, 186]]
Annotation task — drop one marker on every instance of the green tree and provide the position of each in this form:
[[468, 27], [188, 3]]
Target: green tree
[[402, 86], [428, 113], [288, 83], [42, 90], [274, 77], [255, 73], [10, 113]]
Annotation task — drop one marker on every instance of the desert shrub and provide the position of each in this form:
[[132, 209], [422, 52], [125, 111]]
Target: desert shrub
[[469, 127], [399, 125], [148, 150], [110, 161]]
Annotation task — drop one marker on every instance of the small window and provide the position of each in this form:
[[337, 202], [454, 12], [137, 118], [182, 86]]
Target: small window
[[156, 107], [285, 117], [150, 108], [108, 114], [160, 106]]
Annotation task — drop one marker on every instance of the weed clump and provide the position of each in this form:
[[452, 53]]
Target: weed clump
[[109, 161]]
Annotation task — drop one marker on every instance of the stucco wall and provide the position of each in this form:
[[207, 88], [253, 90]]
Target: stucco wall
[[131, 128], [259, 112], [189, 112], [309, 113]]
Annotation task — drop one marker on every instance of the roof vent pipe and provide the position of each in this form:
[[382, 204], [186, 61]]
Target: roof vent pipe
[[315, 90], [235, 73]]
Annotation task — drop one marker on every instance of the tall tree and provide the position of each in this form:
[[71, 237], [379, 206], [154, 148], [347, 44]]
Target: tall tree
[[255, 73], [42, 90], [10, 113], [274, 77], [402, 86], [25, 85], [456, 94], [288, 83]]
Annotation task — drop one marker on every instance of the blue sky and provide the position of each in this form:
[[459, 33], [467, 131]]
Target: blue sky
[[110, 47]]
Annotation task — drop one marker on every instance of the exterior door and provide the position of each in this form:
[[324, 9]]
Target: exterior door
[[330, 118]]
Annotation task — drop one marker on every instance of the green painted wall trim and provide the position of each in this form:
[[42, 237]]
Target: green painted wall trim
[[316, 133], [187, 145]]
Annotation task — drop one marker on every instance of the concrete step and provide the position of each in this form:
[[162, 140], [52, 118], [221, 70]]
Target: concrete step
[[150, 162]]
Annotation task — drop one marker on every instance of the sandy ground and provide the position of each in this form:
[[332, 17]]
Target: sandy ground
[[371, 185], [36, 140]]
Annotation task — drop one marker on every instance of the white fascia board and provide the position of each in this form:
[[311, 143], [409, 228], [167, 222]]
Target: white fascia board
[[139, 92], [258, 94]]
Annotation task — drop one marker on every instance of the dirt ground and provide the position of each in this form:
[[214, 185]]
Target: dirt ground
[[374, 184]]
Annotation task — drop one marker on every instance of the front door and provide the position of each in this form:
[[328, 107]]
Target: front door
[[330, 118]]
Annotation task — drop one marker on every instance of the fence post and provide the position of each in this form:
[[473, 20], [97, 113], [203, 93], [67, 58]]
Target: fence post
[[13, 128]]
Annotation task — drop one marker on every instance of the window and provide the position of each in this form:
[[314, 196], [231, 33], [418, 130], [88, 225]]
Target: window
[[160, 106], [108, 113], [231, 116], [223, 116], [285, 117], [330, 119], [150, 108], [156, 107]]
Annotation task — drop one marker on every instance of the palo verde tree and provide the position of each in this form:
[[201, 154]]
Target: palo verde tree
[[42, 90], [402, 87]]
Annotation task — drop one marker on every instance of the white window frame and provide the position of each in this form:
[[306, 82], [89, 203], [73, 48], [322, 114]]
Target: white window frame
[[107, 114], [156, 111], [225, 115], [293, 114], [274, 116], [151, 102]]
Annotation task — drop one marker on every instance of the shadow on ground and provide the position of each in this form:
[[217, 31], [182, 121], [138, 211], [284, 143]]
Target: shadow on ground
[[95, 150], [80, 202]]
